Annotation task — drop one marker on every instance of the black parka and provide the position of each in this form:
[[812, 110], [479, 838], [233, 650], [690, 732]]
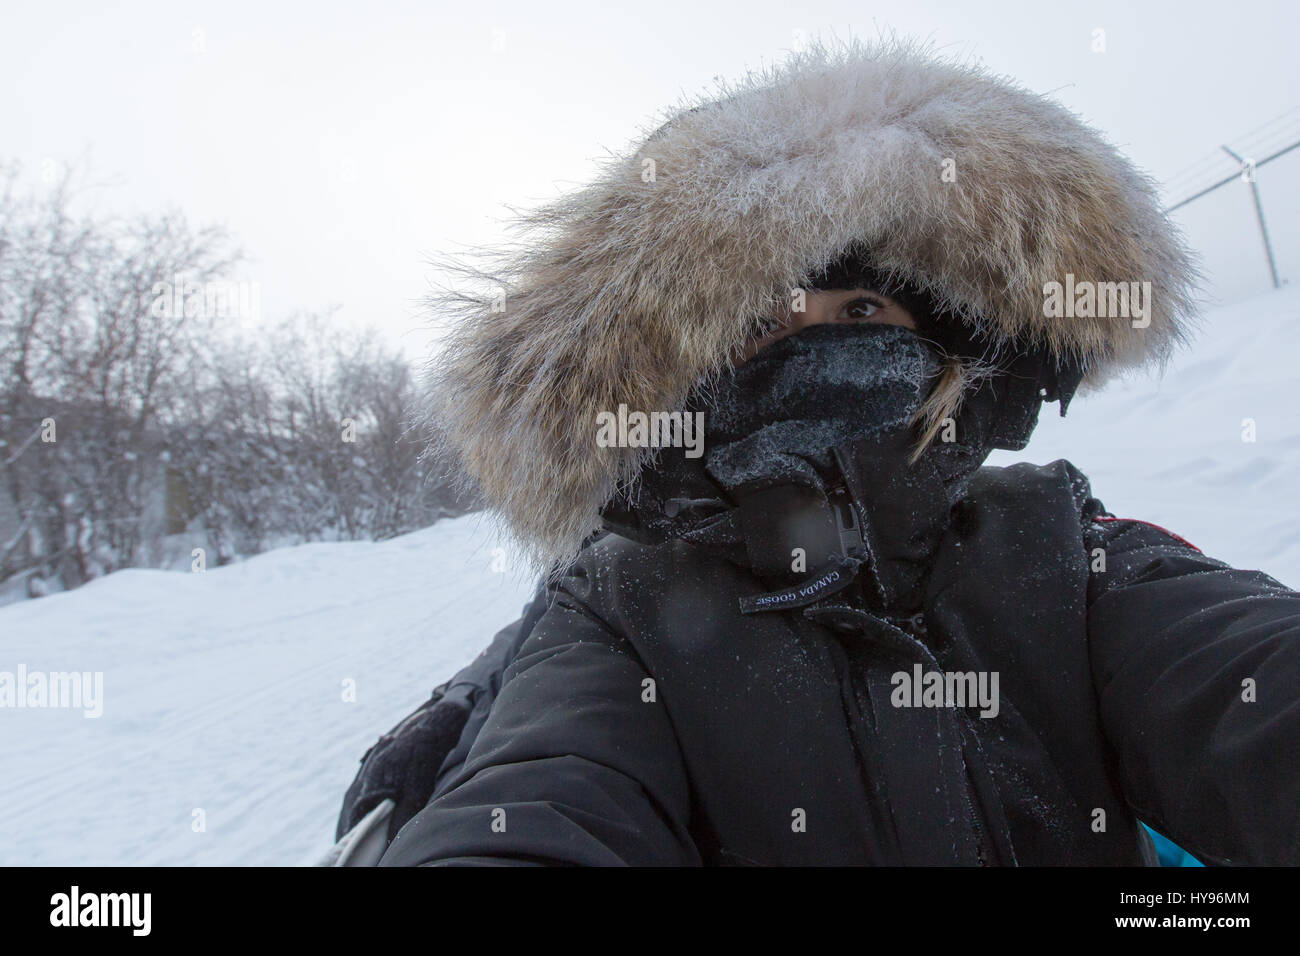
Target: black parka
[[645, 720], [678, 701]]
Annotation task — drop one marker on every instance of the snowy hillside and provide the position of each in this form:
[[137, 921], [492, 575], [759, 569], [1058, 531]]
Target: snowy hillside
[[1171, 451], [223, 691]]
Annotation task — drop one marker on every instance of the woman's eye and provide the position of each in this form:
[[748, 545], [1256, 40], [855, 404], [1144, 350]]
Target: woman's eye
[[860, 309]]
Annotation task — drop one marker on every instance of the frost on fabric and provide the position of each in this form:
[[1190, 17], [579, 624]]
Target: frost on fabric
[[785, 409]]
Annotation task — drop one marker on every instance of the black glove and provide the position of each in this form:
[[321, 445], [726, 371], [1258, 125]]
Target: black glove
[[403, 764]]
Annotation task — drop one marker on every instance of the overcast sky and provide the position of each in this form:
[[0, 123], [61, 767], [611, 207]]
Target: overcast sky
[[343, 142]]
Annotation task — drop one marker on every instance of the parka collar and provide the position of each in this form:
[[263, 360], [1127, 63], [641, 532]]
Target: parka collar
[[873, 523]]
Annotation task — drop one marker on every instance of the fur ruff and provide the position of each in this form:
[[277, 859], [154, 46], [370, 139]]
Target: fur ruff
[[642, 284]]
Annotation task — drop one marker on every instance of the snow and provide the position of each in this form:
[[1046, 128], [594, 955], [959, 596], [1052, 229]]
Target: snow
[[224, 690], [1172, 450]]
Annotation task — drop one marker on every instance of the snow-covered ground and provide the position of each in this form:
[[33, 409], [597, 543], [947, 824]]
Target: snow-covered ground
[[1175, 450], [224, 691]]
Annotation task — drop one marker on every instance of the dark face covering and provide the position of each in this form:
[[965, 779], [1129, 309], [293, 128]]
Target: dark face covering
[[777, 420], [809, 443], [849, 387], [830, 410]]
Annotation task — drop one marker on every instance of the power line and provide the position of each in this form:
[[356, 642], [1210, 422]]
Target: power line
[[1236, 175], [1265, 144], [1204, 164]]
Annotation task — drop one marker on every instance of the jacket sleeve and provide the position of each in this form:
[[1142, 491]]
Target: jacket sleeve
[[571, 766], [1197, 671], [405, 764]]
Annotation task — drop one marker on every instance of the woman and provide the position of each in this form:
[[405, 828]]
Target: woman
[[834, 637]]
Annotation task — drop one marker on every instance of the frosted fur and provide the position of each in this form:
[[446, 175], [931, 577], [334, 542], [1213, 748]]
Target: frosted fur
[[635, 287]]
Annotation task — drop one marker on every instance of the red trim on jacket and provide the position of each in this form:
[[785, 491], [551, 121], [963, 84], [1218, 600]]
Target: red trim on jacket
[[1151, 524]]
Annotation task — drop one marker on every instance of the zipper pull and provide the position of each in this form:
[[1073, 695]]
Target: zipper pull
[[852, 544]]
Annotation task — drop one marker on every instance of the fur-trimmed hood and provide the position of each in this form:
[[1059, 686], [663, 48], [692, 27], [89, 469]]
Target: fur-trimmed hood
[[642, 284]]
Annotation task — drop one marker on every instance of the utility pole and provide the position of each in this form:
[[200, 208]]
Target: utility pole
[[1248, 174]]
